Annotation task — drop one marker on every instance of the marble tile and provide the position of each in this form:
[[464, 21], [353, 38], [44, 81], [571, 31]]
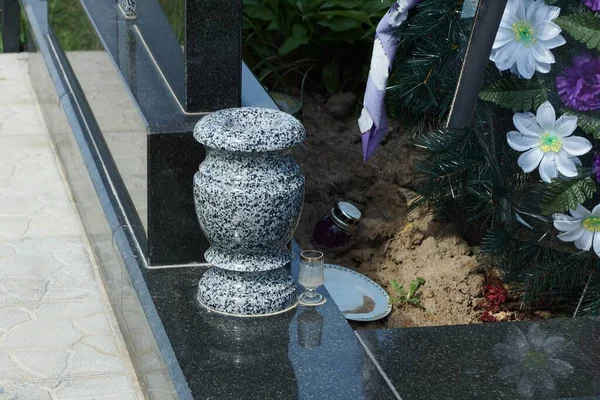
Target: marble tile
[[20, 119], [118, 387], [58, 334]]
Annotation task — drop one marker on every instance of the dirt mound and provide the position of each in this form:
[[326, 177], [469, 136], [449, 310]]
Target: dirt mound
[[391, 243]]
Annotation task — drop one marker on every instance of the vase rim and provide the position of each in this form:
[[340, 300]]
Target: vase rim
[[249, 129]]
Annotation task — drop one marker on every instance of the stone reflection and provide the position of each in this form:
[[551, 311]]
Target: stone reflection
[[533, 361], [246, 358], [310, 328]]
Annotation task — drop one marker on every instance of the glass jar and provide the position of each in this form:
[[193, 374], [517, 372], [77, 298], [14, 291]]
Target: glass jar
[[335, 229]]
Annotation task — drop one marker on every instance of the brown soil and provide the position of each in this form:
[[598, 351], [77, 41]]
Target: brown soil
[[391, 243]]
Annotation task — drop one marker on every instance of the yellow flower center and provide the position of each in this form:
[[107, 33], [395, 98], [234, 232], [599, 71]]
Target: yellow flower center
[[523, 32], [592, 224], [549, 142]]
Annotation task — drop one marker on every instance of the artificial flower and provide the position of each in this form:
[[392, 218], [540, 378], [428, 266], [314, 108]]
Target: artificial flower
[[547, 142], [594, 5], [597, 166], [525, 37], [533, 361], [581, 227], [579, 84]]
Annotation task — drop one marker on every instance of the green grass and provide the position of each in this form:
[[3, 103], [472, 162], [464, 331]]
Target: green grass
[[72, 26], [175, 12]]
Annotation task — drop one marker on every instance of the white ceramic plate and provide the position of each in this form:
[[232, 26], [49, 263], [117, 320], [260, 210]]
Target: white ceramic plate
[[357, 297]]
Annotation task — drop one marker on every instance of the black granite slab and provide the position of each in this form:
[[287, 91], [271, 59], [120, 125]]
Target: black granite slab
[[152, 65], [554, 359], [306, 353], [174, 235], [213, 54]]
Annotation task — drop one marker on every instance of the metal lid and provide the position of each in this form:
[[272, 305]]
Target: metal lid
[[346, 216]]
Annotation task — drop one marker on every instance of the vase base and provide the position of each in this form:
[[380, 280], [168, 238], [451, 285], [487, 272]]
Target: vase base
[[247, 293], [249, 315]]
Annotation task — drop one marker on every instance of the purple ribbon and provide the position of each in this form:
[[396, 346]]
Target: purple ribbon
[[373, 121]]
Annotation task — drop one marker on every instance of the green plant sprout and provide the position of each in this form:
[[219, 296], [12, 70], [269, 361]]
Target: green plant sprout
[[411, 297]]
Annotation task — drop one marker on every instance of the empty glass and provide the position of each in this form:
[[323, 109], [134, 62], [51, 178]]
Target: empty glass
[[311, 277]]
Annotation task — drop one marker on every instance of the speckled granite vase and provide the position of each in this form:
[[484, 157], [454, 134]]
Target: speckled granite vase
[[248, 194]]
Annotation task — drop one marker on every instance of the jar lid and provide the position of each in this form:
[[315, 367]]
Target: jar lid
[[346, 216]]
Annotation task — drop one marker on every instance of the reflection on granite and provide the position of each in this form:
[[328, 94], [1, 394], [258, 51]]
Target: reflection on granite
[[301, 354], [119, 119], [555, 359]]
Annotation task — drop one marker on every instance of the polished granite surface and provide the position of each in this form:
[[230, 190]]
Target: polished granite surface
[[554, 359], [306, 353]]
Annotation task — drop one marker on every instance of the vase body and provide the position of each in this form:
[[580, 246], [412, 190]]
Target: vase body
[[248, 194]]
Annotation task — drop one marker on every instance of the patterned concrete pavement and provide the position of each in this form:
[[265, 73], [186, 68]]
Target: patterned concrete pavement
[[58, 335]]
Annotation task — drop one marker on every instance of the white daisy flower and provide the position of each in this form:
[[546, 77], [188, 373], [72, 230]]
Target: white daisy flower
[[547, 142], [581, 227], [525, 37]]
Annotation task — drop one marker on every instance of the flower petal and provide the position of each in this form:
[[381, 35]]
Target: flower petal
[[519, 10], [503, 37], [576, 145], [580, 212], [596, 210], [585, 241], [573, 235], [565, 165], [565, 223], [542, 54], [552, 12], [535, 12], [526, 64], [506, 56], [546, 30], [548, 169], [597, 243], [554, 42], [565, 125], [546, 116], [529, 160], [544, 68], [521, 142], [527, 124]]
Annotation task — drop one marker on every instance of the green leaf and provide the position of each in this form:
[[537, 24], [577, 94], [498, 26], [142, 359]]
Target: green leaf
[[299, 30], [567, 194], [348, 4], [590, 123], [355, 15], [516, 94], [332, 78], [376, 7], [338, 24], [584, 28], [291, 44], [260, 13]]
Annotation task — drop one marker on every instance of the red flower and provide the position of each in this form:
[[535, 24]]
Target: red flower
[[495, 294]]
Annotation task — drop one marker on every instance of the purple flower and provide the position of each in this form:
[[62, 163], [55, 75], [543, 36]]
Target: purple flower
[[594, 5], [597, 166], [579, 85]]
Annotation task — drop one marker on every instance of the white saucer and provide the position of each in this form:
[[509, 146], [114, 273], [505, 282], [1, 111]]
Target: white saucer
[[357, 297]]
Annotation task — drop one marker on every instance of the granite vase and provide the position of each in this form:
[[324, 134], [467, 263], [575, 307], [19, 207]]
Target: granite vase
[[248, 194]]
